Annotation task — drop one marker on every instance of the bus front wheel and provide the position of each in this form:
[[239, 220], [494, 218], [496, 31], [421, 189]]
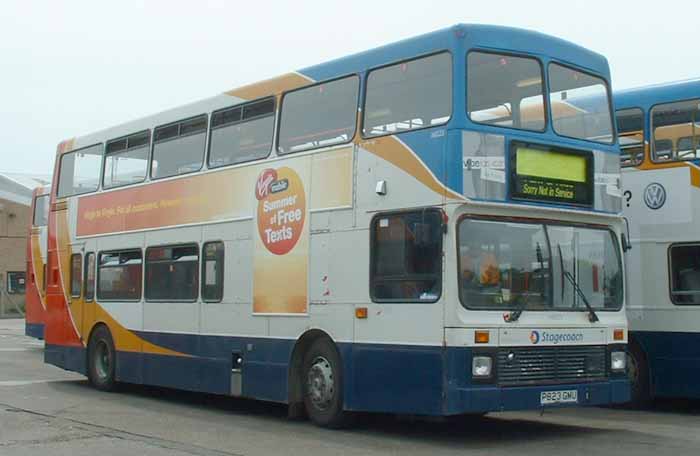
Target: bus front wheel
[[638, 373], [102, 360], [322, 382]]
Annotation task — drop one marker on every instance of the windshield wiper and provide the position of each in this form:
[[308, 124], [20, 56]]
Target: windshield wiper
[[592, 316], [514, 314]]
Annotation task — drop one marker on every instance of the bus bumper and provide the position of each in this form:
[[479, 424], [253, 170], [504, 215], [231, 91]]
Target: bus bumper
[[35, 330], [493, 398]]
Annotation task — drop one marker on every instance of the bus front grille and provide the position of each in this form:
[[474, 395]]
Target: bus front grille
[[551, 365]]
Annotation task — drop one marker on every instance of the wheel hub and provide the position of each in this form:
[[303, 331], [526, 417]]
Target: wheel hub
[[102, 360], [319, 383]]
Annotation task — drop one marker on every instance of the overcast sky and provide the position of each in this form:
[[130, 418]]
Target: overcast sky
[[72, 67]]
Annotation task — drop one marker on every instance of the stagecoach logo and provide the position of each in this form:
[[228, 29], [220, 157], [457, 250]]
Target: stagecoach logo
[[554, 338], [654, 196]]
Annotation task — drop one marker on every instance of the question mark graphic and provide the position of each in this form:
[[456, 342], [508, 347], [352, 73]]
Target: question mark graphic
[[628, 197]]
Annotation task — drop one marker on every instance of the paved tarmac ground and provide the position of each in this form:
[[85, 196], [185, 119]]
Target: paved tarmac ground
[[46, 411]]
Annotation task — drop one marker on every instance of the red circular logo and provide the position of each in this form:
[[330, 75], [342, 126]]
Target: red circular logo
[[262, 185], [281, 209]]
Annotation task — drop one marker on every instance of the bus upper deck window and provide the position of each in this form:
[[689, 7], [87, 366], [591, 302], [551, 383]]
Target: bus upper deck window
[[580, 104], [505, 91], [408, 95], [630, 126], [676, 131]]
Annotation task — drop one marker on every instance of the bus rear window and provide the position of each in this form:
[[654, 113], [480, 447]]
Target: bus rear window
[[505, 91], [630, 127], [41, 211], [580, 105], [80, 171], [321, 115], [409, 95], [676, 131]]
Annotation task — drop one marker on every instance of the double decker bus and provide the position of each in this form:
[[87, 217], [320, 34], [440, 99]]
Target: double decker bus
[[37, 245], [659, 128], [431, 227]]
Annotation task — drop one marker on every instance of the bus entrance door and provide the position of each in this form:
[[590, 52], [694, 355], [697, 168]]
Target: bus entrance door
[[76, 289]]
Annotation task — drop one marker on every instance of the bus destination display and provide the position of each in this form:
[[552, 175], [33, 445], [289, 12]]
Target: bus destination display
[[551, 176]]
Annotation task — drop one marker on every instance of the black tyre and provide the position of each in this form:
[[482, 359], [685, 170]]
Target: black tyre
[[638, 373], [102, 360], [322, 383]]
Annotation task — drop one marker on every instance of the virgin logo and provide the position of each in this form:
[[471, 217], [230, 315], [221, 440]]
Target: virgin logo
[[265, 180]]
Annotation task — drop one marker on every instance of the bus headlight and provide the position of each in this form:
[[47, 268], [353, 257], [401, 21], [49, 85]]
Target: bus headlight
[[618, 361], [482, 366]]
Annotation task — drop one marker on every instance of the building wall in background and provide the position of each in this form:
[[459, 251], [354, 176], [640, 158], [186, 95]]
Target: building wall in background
[[14, 225]]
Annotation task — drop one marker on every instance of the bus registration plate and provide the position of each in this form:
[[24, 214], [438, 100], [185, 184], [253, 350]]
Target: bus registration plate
[[559, 397]]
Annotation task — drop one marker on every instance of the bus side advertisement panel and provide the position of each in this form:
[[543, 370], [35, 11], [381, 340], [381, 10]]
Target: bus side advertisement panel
[[212, 197], [281, 252]]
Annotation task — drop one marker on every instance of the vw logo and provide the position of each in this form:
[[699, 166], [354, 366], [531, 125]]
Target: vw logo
[[654, 196], [534, 337]]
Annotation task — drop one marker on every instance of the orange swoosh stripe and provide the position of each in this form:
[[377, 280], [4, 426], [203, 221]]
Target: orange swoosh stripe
[[270, 87], [400, 155]]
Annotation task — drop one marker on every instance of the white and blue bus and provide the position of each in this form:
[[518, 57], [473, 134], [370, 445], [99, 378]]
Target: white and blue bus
[[659, 130], [431, 227]]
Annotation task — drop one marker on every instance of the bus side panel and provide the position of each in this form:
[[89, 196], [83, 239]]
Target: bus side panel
[[71, 358], [674, 362], [129, 367], [396, 379], [207, 361]]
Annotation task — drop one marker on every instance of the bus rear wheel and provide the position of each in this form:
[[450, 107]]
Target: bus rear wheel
[[102, 360], [322, 382], [638, 374]]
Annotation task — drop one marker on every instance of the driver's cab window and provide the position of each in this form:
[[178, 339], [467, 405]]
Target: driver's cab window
[[406, 257]]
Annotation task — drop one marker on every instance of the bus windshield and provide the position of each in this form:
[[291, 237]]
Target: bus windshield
[[507, 265]]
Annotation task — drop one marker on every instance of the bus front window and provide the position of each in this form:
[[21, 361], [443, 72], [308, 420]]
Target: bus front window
[[505, 91], [580, 105], [507, 265], [502, 265]]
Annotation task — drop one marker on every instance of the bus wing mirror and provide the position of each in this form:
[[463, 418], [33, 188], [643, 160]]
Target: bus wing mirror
[[626, 243]]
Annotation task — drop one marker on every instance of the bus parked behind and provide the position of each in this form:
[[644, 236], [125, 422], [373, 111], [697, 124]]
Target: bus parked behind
[[37, 245], [659, 129]]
